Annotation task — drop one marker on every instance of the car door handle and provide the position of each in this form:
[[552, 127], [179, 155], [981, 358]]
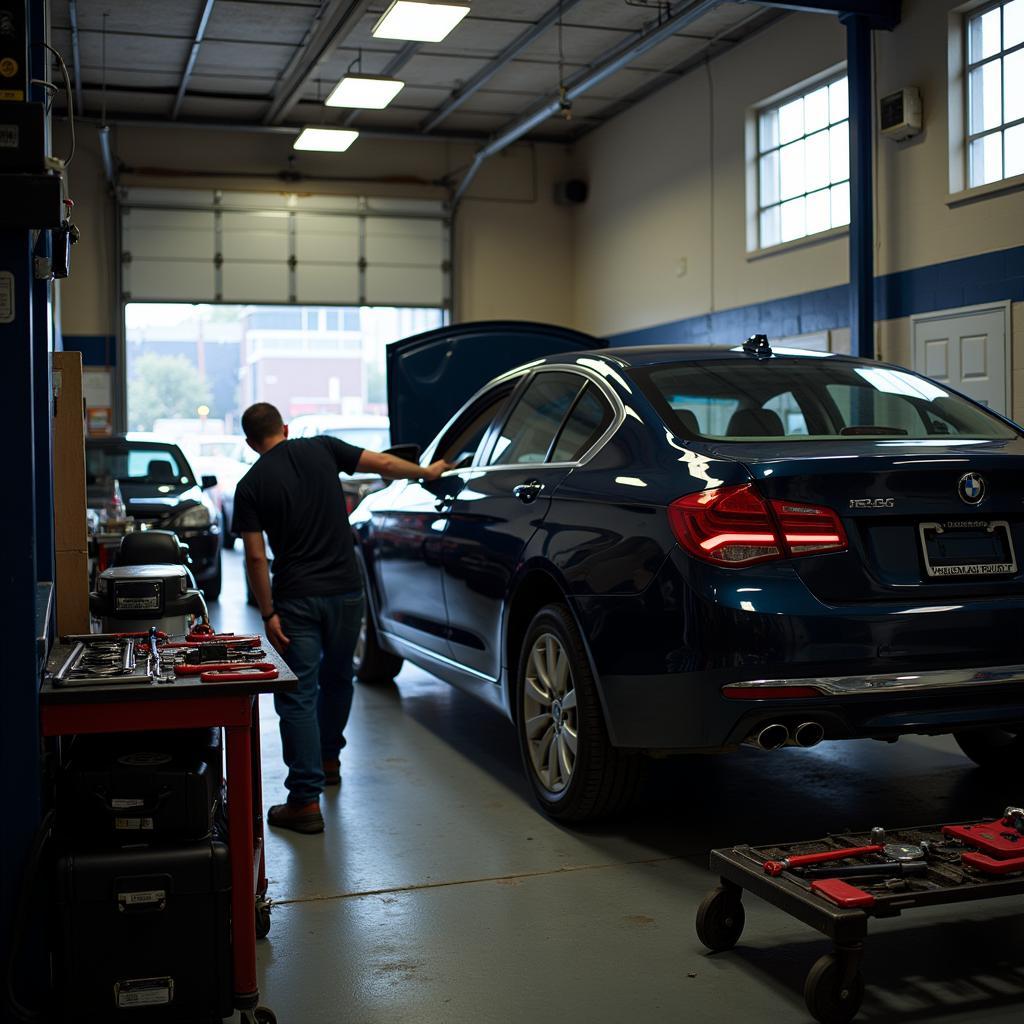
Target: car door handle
[[527, 492]]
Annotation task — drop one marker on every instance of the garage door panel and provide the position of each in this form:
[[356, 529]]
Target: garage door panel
[[404, 286], [326, 239], [172, 238], [403, 242], [256, 236], [169, 281], [254, 282], [327, 285], [180, 234]]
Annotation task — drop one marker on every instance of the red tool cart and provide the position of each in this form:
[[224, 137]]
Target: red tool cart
[[217, 698], [837, 884]]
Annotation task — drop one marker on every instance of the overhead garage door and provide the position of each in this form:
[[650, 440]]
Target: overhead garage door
[[181, 245]]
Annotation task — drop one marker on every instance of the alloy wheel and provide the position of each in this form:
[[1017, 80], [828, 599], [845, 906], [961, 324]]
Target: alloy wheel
[[550, 720]]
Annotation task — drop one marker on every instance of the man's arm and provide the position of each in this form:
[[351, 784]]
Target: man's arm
[[258, 569], [393, 468]]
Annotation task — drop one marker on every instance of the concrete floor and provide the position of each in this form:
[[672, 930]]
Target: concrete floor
[[439, 895]]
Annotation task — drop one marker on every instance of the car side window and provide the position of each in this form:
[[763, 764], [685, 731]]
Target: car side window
[[531, 427], [591, 416], [460, 443]]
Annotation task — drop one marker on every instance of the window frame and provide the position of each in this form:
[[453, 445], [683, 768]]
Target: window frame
[[499, 424], [969, 66], [755, 244]]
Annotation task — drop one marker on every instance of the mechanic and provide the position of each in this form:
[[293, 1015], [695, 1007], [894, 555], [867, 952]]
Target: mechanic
[[314, 610]]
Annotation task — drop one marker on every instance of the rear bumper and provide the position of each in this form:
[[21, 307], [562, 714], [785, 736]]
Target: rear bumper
[[929, 681], [681, 712]]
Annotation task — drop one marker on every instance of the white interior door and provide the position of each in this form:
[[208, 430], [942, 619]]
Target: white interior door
[[968, 349]]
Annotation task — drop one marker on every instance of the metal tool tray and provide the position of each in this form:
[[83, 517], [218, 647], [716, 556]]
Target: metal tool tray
[[834, 987]]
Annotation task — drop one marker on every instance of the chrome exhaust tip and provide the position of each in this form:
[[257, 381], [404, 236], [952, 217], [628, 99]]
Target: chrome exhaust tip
[[808, 734], [770, 737]]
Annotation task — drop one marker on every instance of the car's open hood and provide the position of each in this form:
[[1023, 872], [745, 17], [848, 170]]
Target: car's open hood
[[431, 375]]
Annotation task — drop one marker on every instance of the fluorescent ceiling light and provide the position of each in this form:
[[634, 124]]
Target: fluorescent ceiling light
[[326, 140], [419, 21], [365, 91]]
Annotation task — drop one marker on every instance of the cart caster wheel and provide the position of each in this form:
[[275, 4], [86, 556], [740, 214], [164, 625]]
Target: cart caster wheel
[[262, 919], [720, 920], [828, 1000]]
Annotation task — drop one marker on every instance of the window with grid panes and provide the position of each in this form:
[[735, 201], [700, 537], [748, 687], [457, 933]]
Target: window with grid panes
[[804, 164], [995, 93]]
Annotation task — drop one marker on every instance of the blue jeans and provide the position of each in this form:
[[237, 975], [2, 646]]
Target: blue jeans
[[323, 633]]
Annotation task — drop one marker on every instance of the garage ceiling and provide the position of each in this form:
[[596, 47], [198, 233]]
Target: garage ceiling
[[269, 63]]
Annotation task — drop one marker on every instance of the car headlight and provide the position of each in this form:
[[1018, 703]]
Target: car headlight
[[193, 518]]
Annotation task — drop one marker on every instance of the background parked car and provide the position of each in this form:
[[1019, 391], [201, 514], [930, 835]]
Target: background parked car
[[160, 491]]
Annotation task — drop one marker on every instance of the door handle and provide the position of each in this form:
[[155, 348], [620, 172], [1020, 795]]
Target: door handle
[[527, 492]]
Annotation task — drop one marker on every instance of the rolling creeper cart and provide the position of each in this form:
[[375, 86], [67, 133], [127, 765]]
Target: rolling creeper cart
[[838, 884], [220, 696]]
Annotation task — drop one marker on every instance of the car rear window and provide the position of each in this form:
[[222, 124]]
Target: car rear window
[[807, 400]]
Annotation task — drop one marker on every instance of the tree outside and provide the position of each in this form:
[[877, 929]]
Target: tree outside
[[164, 387]]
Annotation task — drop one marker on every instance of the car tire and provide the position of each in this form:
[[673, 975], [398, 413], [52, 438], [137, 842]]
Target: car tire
[[212, 587], [994, 749], [556, 707], [371, 664]]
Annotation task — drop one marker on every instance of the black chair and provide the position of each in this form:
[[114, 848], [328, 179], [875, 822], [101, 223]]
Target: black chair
[[152, 547]]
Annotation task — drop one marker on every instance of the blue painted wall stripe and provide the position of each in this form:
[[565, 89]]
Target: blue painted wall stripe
[[96, 349], [990, 277]]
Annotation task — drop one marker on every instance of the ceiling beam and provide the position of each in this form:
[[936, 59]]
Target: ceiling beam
[[488, 71], [193, 55], [606, 65], [336, 19], [76, 57]]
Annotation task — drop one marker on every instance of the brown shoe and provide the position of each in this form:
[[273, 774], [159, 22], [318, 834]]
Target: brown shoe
[[306, 818], [332, 773]]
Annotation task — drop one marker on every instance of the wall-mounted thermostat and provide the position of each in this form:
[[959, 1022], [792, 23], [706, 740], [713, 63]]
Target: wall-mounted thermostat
[[899, 114]]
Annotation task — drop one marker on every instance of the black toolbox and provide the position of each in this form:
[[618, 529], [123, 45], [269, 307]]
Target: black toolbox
[[143, 934], [140, 787]]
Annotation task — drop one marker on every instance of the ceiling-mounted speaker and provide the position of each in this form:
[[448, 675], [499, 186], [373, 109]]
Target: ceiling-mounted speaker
[[571, 192]]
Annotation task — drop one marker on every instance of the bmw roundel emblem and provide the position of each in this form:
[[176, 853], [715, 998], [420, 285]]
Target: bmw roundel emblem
[[971, 488]]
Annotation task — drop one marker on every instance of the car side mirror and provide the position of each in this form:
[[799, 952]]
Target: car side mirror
[[409, 452], [208, 482]]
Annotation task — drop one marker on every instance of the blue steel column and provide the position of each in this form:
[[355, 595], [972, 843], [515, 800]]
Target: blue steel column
[[862, 256], [20, 795], [41, 343]]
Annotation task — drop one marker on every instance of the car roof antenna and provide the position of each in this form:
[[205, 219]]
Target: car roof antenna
[[757, 345]]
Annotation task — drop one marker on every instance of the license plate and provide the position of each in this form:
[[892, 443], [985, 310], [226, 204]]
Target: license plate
[[968, 548]]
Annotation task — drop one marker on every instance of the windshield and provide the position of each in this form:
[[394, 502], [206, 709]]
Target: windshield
[[161, 467], [374, 438], [797, 400]]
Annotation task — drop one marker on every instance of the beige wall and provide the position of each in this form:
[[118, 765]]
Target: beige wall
[[514, 243], [664, 187]]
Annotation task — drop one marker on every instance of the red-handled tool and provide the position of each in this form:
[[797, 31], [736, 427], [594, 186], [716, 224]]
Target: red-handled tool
[[261, 670], [214, 666], [776, 867], [990, 865], [230, 640], [841, 893]]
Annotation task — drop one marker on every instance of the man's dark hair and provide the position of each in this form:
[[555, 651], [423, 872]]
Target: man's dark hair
[[261, 421]]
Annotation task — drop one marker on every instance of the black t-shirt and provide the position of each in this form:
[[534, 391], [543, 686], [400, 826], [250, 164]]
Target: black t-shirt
[[293, 494]]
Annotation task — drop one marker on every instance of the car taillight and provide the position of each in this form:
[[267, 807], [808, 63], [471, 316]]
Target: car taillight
[[735, 526]]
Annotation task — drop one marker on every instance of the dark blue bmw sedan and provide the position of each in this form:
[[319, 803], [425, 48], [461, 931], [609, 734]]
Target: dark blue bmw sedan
[[674, 549]]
